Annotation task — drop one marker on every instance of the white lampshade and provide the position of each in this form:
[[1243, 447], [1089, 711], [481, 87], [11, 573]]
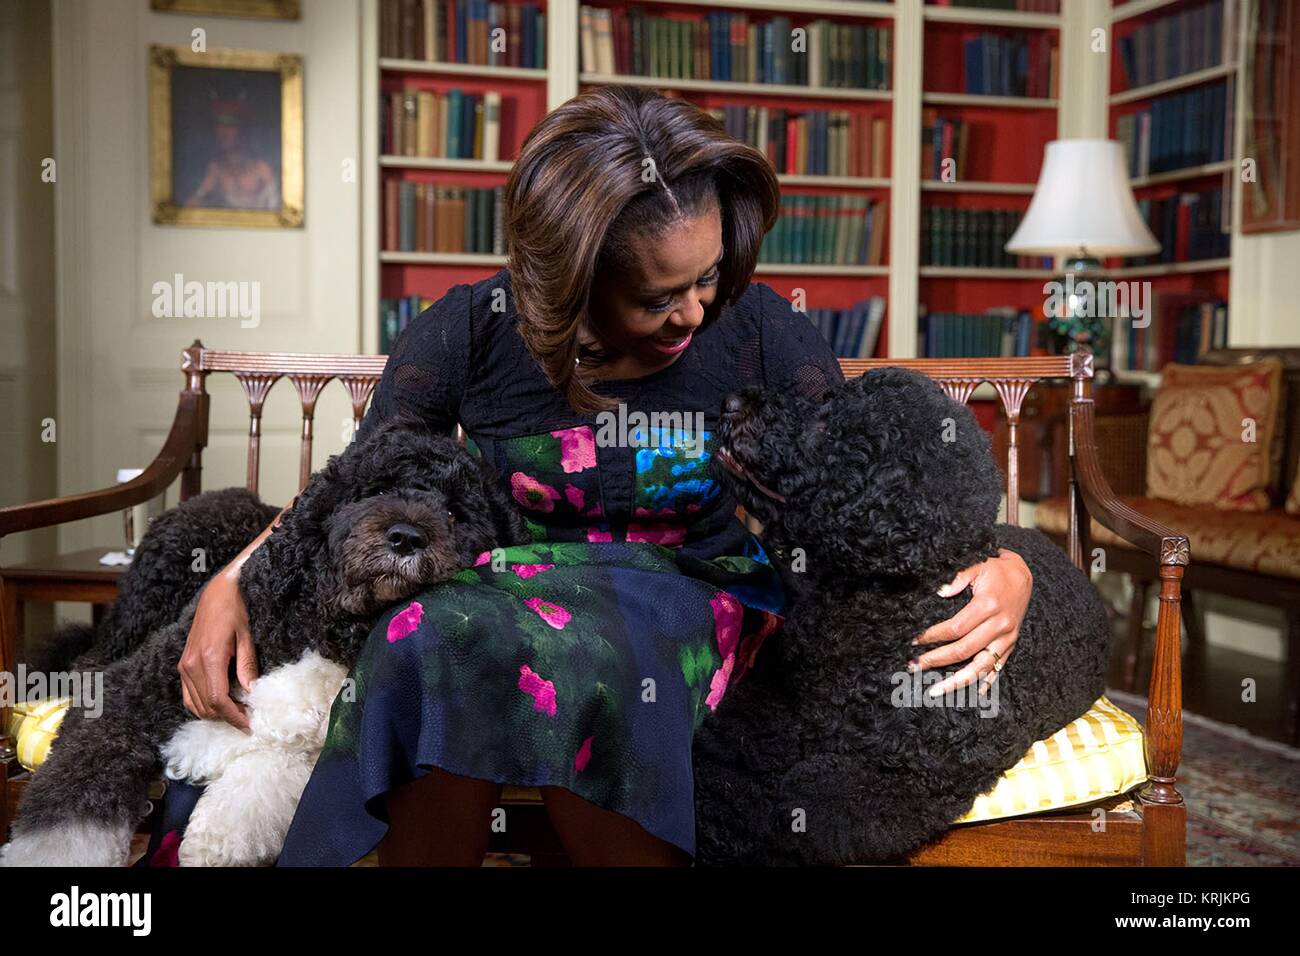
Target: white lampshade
[[1083, 205]]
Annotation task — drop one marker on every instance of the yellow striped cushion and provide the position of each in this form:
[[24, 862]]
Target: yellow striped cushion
[[33, 725], [1099, 755]]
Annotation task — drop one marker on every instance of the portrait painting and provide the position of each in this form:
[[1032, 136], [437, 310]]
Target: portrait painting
[[226, 138]]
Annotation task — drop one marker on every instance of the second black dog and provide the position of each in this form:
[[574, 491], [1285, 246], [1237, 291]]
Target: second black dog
[[829, 751]]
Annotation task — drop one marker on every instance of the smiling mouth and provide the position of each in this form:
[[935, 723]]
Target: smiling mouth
[[729, 462], [672, 346]]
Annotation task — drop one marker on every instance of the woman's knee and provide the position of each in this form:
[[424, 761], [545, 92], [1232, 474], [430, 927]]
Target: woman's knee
[[441, 819], [593, 836]]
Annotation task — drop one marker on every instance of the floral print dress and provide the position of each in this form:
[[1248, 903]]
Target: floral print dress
[[587, 658]]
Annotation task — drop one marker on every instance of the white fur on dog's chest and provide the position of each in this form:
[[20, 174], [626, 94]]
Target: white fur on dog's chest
[[253, 781]]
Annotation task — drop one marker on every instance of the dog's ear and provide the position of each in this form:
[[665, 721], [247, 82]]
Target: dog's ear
[[511, 528], [486, 516]]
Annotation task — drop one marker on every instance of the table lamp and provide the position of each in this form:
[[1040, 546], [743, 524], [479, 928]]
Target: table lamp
[[1083, 209]]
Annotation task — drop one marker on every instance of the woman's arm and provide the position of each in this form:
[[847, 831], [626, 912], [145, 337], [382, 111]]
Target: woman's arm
[[984, 632], [218, 633]]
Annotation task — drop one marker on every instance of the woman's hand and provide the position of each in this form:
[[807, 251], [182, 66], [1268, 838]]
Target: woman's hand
[[219, 632], [985, 630]]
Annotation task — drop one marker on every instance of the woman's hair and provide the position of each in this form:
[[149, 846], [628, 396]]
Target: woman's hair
[[611, 165]]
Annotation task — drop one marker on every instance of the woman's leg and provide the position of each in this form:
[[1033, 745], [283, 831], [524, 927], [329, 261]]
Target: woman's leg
[[592, 836], [442, 819]]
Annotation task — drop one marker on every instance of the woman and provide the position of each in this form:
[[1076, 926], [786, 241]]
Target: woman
[[583, 663]]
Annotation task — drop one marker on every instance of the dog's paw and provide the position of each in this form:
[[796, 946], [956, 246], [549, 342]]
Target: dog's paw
[[210, 846], [200, 749], [242, 818], [212, 840], [74, 844]]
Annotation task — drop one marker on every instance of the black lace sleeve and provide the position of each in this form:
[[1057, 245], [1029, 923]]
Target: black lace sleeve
[[425, 375], [796, 356]]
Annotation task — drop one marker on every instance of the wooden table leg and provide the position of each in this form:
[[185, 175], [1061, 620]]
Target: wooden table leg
[[1291, 679], [9, 623]]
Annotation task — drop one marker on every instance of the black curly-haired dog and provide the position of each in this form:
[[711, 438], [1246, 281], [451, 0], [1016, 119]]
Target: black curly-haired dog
[[396, 511], [179, 552], [882, 493]]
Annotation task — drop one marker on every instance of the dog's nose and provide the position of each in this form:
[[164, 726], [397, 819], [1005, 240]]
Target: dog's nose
[[732, 405], [404, 538]]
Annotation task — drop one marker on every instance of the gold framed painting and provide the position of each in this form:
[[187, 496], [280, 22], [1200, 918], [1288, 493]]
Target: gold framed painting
[[262, 9], [226, 139]]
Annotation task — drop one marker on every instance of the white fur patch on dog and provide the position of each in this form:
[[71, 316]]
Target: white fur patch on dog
[[254, 780], [75, 844]]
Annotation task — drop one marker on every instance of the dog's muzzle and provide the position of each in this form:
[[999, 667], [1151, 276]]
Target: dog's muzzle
[[729, 462]]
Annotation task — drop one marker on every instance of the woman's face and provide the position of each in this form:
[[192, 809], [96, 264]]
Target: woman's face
[[645, 316]]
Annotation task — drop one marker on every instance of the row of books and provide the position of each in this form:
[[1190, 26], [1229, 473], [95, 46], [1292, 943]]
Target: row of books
[[1024, 6], [725, 45], [844, 229], [1189, 226], [972, 238], [943, 138], [1189, 39], [463, 31], [432, 217], [851, 332], [812, 142], [454, 125], [395, 315], [1177, 131], [996, 333], [996, 65], [1183, 327]]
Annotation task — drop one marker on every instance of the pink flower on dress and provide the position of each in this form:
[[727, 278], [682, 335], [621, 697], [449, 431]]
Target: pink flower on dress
[[169, 850], [667, 535], [541, 691], [595, 535], [584, 755], [665, 512], [405, 622], [577, 449], [552, 614], [528, 570], [718, 686], [575, 496], [533, 494], [483, 558], [752, 643], [728, 613]]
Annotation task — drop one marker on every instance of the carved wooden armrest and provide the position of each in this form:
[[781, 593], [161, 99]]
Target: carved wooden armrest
[[162, 471], [1145, 533], [1091, 495]]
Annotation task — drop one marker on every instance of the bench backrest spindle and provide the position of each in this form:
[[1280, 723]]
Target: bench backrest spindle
[[257, 372]]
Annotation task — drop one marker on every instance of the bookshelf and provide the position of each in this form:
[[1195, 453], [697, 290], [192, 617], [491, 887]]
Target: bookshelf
[[1173, 67], [926, 77], [989, 105]]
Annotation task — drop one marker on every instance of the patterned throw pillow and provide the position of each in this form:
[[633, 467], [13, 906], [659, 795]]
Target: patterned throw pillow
[[1211, 436]]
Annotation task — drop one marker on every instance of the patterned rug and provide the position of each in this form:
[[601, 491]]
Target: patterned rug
[[1242, 793]]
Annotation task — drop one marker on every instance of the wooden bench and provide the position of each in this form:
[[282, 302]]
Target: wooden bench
[[1149, 829]]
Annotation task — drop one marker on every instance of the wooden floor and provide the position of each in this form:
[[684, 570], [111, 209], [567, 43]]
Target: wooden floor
[[1214, 690]]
